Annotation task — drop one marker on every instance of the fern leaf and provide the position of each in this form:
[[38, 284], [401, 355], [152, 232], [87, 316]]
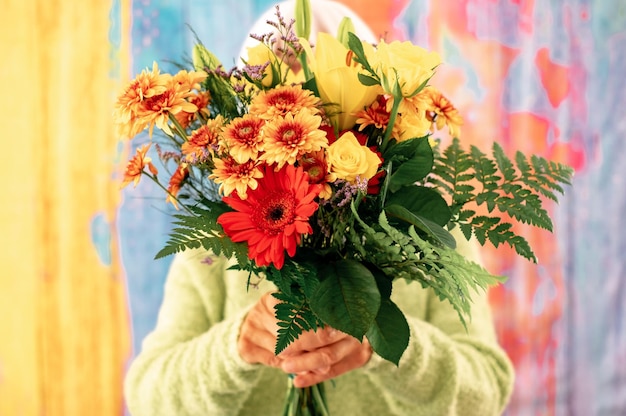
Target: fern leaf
[[294, 317]]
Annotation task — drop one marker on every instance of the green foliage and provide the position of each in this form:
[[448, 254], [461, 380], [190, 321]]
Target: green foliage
[[294, 317], [411, 160], [407, 255], [515, 189], [198, 229], [347, 298], [389, 333]]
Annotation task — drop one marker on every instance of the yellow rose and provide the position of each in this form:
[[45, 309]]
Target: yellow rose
[[402, 62], [337, 81], [259, 55], [348, 159], [413, 125]]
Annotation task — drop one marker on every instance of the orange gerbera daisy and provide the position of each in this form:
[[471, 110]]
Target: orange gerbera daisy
[[288, 138], [203, 142], [274, 217], [136, 165], [176, 182], [282, 100], [441, 111], [243, 138], [233, 176]]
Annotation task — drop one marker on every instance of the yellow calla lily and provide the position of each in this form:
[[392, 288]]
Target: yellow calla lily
[[337, 81]]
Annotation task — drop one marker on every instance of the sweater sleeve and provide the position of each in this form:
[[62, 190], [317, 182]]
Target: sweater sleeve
[[189, 364], [446, 369]]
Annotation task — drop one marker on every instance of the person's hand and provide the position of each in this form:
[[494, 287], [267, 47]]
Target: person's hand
[[322, 355], [257, 336], [316, 356]]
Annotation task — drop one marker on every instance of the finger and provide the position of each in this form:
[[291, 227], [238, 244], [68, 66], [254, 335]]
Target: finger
[[354, 361], [320, 359], [253, 354], [312, 340], [258, 336]]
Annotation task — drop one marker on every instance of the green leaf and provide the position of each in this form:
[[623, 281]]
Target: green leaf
[[389, 334], [203, 58], [368, 81], [293, 316], [355, 45], [347, 298], [423, 202], [303, 14], [429, 227], [198, 229], [418, 162]]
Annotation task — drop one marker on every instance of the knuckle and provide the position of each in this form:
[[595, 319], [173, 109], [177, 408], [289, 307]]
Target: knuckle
[[328, 357]]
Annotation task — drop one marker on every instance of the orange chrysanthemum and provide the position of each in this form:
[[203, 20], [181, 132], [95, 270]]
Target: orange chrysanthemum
[[189, 80], [243, 138], [201, 101], [375, 115], [156, 110], [233, 176], [176, 182], [288, 138], [441, 111], [315, 165], [282, 100], [274, 217], [203, 142], [136, 165], [147, 84]]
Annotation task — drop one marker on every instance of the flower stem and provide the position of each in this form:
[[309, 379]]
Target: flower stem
[[307, 401], [156, 180], [179, 129], [392, 120]]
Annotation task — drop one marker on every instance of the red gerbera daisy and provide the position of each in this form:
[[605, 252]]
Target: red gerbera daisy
[[274, 216]]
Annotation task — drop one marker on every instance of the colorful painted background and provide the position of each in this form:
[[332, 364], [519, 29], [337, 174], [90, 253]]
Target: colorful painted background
[[80, 288]]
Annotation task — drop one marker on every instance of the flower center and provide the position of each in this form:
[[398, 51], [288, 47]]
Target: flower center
[[276, 211]]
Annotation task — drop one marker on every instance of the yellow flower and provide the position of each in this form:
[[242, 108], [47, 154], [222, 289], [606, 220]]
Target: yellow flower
[[136, 165], [282, 100], [441, 112], [233, 176], [243, 138], [290, 137], [188, 81], [349, 160], [403, 63], [336, 76], [412, 125], [276, 69]]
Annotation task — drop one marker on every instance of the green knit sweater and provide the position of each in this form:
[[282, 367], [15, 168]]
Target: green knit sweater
[[189, 364]]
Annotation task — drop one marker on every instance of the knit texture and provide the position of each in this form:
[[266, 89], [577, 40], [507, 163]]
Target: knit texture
[[189, 364]]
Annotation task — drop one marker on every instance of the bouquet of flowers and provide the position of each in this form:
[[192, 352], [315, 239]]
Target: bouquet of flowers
[[316, 166]]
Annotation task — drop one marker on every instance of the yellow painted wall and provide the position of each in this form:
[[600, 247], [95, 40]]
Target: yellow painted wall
[[64, 336]]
